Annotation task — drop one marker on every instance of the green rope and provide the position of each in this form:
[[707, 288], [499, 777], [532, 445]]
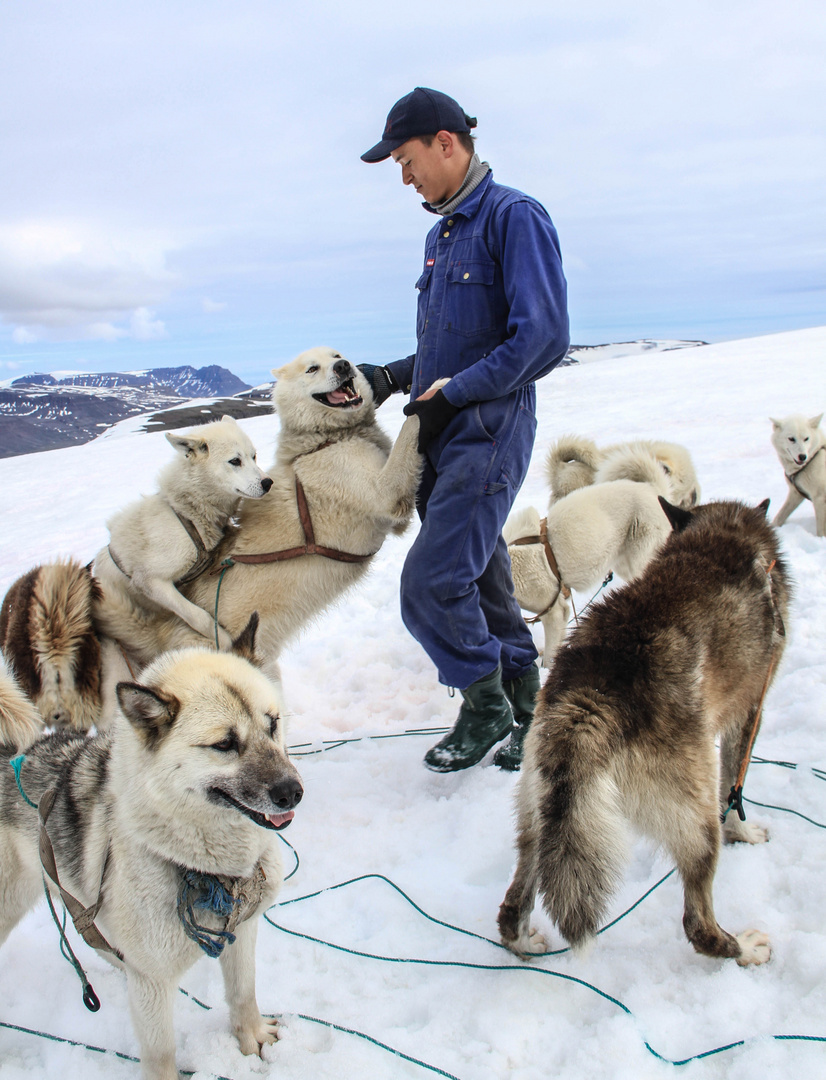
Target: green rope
[[17, 764], [227, 564]]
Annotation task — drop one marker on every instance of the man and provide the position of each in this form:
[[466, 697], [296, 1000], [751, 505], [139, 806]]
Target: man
[[492, 318]]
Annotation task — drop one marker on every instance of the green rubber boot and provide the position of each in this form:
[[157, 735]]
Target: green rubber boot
[[484, 719], [522, 694]]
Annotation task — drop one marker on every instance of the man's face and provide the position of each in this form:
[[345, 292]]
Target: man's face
[[429, 169]]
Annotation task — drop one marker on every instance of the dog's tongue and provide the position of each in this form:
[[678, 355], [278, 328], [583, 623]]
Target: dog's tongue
[[278, 821], [335, 397]]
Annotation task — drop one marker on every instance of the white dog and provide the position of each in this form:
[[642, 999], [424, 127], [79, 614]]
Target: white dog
[[339, 487], [616, 526], [164, 540], [801, 446], [574, 462], [156, 820]]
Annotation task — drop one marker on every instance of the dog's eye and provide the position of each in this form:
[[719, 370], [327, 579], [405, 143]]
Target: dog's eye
[[273, 725], [312, 370], [235, 462], [227, 745]]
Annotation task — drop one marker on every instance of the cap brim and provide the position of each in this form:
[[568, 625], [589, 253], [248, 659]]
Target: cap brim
[[382, 150]]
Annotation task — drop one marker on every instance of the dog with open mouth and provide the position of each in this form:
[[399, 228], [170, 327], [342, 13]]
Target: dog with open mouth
[[340, 487], [162, 829]]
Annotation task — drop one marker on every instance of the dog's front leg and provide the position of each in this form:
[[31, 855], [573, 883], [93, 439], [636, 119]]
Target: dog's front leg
[[793, 500], [238, 966], [165, 595], [396, 484], [150, 1003]]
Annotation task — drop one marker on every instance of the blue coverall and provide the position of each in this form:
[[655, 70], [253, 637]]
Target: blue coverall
[[492, 316]]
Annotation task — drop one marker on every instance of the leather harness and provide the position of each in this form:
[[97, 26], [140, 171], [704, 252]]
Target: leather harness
[[542, 539], [309, 547], [792, 478]]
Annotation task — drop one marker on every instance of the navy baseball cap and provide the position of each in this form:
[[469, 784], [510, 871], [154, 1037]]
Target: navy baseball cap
[[422, 112]]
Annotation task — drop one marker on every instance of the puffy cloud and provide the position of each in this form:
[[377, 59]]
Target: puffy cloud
[[63, 280]]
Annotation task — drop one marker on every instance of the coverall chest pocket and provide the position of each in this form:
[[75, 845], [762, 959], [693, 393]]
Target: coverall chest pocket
[[470, 297], [423, 286]]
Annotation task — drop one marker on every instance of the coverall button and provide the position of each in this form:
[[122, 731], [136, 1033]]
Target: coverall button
[[445, 234], [466, 276]]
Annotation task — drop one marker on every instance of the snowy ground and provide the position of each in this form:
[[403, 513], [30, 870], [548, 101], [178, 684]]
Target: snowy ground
[[404, 844]]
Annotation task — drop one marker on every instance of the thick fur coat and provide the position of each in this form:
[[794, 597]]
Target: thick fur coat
[[151, 550], [359, 488], [625, 729], [616, 527], [50, 643], [193, 776], [574, 462], [801, 447]]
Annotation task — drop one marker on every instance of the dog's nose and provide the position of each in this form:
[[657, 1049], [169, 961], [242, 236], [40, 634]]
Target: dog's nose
[[266, 483], [342, 369], [286, 794]]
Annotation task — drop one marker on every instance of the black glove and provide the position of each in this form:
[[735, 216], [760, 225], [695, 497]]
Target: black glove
[[434, 415], [381, 382]]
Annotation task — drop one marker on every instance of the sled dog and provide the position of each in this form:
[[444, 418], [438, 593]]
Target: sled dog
[[20, 722], [162, 541], [172, 808], [617, 526], [332, 458], [625, 730], [801, 447], [49, 642], [574, 462]]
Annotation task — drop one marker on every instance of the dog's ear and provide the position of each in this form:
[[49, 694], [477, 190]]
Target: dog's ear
[[188, 445], [762, 509], [776, 424], [227, 419], [244, 644], [678, 517], [815, 421], [149, 713]]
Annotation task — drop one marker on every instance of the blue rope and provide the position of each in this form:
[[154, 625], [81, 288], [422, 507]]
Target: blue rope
[[17, 764], [206, 892]]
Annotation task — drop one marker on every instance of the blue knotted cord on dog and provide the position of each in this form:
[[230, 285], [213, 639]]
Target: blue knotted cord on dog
[[17, 764], [205, 891]]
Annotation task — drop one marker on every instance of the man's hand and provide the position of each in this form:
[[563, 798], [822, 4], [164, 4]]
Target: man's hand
[[434, 412], [382, 383]]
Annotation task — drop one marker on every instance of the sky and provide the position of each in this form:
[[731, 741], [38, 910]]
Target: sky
[[182, 183], [377, 832]]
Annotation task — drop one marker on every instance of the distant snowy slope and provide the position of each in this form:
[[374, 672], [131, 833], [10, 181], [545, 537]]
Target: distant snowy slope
[[377, 833]]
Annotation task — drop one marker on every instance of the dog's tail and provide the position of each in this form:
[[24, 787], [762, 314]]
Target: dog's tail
[[571, 463], [20, 722], [636, 461], [582, 845], [524, 522]]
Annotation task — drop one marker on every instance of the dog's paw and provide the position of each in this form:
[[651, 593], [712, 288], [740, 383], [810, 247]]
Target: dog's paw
[[755, 948], [526, 947], [736, 831], [256, 1035]]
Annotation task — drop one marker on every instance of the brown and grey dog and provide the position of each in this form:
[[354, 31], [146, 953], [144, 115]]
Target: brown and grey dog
[[176, 804], [50, 644], [625, 730]]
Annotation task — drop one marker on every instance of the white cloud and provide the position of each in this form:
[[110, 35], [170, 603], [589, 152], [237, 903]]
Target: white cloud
[[144, 327], [62, 280], [209, 307]]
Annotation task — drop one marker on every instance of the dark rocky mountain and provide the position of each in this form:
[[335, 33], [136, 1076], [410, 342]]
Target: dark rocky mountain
[[44, 412]]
